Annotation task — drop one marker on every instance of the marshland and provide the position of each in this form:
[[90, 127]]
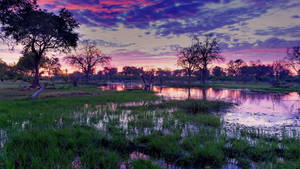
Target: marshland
[[149, 84], [99, 127]]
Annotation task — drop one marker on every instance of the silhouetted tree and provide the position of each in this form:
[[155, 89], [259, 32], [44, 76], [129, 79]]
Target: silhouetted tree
[[132, 71], [263, 71], [255, 71], [89, 58], [199, 73], [218, 72], [110, 71], [293, 59], [187, 59], [3, 69], [234, 67], [178, 72], [26, 64], [39, 31], [280, 70], [148, 79], [247, 73], [162, 75], [75, 77], [53, 68], [206, 53]]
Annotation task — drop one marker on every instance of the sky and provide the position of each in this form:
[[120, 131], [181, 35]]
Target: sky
[[149, 33]]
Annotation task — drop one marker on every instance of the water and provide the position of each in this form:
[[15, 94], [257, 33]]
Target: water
[[264, 110]]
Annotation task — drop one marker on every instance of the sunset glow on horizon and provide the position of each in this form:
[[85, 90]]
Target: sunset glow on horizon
[[148, 33]]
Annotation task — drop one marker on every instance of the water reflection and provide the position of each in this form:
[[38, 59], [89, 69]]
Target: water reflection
[[121, 86], [254, 109]]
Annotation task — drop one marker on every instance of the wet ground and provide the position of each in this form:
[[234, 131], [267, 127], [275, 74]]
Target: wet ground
[[270, 112]]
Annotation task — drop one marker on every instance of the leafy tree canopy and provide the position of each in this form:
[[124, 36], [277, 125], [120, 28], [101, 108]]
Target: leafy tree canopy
[[37, 30]]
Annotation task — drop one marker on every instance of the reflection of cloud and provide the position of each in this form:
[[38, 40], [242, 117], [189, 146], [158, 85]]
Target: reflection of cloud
[[254, 109]]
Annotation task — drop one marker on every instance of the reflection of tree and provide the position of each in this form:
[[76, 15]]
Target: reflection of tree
[[256, 97], [204, 95], [113, 87], [240, 96], [235, 96], [128, 85], [189, 93], [160, 89]]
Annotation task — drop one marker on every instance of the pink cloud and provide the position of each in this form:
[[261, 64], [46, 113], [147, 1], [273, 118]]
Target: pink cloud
[[124, 5]]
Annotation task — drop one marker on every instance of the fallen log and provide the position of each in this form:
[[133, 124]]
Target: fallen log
[[39, 91]]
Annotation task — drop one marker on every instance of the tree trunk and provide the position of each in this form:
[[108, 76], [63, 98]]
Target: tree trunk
[[203, 76], [75, 82], [145, 83], [36, 80], [87, 77], [204, 73], [189, 79], [204, 97]]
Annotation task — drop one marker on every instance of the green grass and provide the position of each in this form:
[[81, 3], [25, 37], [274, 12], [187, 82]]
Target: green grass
[[143, 164], [13, 84], [52, 148], [100, 133]]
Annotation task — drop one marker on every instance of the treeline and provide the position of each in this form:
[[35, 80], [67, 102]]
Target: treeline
[[253, 71], [236, 70], [24, 70]]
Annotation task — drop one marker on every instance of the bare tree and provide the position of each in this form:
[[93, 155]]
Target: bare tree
[[148, 79], [280, 70], [234, 67], [198, 56], [188, 61], [206, 53], [293, 59], [89, 58], [163, 75]]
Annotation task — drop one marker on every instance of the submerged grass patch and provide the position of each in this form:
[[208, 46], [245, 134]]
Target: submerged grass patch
[[197, 106]]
